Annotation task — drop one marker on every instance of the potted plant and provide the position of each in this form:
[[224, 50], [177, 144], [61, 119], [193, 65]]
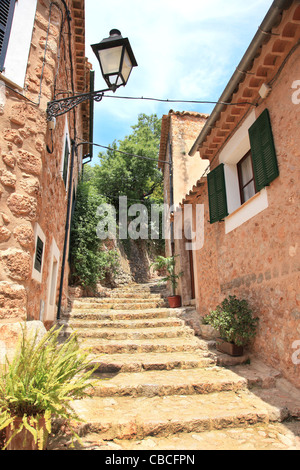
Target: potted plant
[[168, 264], [236, 325], [39, 383]]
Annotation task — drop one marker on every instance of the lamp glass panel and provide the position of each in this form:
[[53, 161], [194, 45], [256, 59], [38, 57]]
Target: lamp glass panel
[[126, 67], [110, 59]]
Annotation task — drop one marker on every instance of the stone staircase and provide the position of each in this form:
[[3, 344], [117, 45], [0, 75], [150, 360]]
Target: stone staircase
[[161, 387]]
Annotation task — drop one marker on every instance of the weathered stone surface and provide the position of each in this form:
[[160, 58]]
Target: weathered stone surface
[[22, 206], [7, 178], [16, 263], [12, 135], [155, 389], [273, 436], [24, 235], [10, 334], [18, 114], [5, 218], [29, 163], [30, 185], [13, 300], [9, 159], [156, 416], [175, 382], [4, 234]]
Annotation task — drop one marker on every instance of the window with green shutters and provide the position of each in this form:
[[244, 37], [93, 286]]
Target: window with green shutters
[[217, 194], [264, 158], [7, 8]]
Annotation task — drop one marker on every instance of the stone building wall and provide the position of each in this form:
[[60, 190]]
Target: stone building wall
[[33, 195], [180, 129], [258, 258]]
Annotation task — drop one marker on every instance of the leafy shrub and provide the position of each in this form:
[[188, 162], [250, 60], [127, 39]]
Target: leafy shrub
[[90, 262], [234, 320], [41, 381], [169, 265]]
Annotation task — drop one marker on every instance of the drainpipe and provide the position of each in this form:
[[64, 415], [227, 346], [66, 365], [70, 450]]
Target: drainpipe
[[74, 148], [67, 227], [264, 32]]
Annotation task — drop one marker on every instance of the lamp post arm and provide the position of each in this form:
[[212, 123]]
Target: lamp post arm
[[64, 105]]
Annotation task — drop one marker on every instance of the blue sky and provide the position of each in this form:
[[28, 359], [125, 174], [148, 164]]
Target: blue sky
[[185, 49]]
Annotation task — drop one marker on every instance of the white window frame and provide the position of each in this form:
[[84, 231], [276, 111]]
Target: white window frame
[[38, 232], [50, 307], [232, 153], [18, 48]]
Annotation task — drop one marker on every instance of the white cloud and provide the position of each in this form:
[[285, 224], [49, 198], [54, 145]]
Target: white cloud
[[185, 50]]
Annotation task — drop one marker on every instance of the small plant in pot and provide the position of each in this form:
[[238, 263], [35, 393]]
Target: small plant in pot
[[39, 383], [234, 320], [168, 264]]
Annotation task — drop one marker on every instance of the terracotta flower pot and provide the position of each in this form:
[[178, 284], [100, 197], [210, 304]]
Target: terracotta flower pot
[[174, 301], [229, 348], [23, 440]]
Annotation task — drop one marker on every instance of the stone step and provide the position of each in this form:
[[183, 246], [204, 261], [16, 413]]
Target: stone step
[[133, 295], [131, 334], [140, 362], [116, 315], [120, 324], [166, 383], [117, 303], [136, 418], [148, 287], [161, 345], [263, 437]]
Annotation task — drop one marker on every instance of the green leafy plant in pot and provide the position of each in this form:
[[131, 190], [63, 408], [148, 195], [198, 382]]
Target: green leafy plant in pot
[[39, 383], [168, 265], [234, 320]]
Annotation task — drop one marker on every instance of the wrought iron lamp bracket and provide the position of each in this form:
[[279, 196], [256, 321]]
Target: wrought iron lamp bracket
[[64, 105]]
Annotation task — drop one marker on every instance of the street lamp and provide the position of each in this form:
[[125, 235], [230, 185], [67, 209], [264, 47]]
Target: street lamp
[[116, 61]]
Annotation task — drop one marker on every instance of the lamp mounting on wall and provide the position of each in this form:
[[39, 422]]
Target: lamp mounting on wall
[[116, 61]]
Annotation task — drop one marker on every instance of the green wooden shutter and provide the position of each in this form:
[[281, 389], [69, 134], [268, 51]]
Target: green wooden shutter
[[264, 158], [7, 8], [217, 194]]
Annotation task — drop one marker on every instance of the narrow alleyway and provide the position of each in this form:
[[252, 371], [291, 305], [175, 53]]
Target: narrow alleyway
[[161, 387]]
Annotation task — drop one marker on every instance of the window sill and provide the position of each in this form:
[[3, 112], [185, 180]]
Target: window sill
[[245, 212], [244, 205], [10, 83]]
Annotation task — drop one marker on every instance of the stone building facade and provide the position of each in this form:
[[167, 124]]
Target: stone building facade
[[42, 58], [250, 196], [178, 132]]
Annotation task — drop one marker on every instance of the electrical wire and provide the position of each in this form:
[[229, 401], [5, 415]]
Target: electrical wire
[[120, 151], [178, 101]]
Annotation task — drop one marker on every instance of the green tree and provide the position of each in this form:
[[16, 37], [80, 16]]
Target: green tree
[[90, 260], [120, 174]]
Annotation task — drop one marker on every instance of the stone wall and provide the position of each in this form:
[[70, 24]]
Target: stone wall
[[33, 195], [259, 260]]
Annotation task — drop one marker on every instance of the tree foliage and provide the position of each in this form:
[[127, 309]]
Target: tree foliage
[[118, 174], [89, 258], [125, 175]]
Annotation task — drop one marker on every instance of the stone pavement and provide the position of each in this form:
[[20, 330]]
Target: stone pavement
[[160, 387]]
